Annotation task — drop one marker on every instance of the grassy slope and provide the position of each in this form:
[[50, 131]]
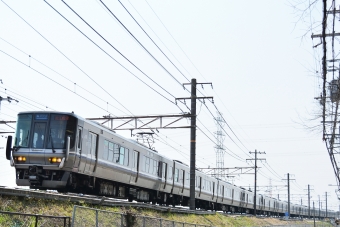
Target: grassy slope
[[59, 208]]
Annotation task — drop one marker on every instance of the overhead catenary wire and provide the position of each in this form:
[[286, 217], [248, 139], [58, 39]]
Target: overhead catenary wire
[[117, 52], [174, 39], [234, 155], [169, 50], [152, 40], [225, 131], [65, 77], [153, 57], [61, 52], [51, 79]]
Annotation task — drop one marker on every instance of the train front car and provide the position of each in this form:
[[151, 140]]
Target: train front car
[[41, 147]]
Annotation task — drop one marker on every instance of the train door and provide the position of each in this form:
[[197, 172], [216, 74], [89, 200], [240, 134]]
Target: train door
[[84, 150], [213, 191], [218, 191], [222, 193], [163, 171], [78, 148], [199, 185], [232, 196], [135, 167], [91, 156], [242, 197], [182, 179]]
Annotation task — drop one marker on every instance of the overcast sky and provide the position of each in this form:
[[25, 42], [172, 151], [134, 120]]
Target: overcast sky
[[258, 55]]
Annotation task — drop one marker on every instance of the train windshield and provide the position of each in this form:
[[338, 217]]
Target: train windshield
[[61, 126], [23, 130], [45, 130]]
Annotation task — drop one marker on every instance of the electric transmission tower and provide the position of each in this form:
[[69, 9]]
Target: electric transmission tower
[[219, 148]]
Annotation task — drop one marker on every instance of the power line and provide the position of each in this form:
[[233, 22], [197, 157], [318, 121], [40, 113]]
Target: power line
[[118, 52], [65, 77], [158, 38], [50, 79], [138, 41], [153, 41], [61, 51], [174, 39]]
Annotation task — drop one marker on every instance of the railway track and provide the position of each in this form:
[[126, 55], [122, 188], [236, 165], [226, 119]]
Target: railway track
[[91, 199]]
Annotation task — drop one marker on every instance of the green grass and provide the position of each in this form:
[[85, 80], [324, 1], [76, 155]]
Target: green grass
[[65, 208]]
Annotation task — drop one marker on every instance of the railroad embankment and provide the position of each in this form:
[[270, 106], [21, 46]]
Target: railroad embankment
[[62, 208]]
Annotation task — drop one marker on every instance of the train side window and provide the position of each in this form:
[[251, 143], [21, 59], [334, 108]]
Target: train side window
[[110, 156], [187, 178], [176, 175], [181, 175], [135, 159], [121, 155], [116, 153], [170, 172], [155, 167], [126, 163], [147, 164], [198, 181], [93, 143], [106, 149]]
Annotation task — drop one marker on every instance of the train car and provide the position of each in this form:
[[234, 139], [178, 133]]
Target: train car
[[65, 152]]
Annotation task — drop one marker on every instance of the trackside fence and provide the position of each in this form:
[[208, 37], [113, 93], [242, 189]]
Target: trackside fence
[[307, 225], [84, 216], [32, 220]]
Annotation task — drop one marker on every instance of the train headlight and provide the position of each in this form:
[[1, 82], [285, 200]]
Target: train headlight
[[54, 160], [20, 159]]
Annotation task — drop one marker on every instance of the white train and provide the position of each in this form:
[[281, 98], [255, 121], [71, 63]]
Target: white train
[[62, 151]]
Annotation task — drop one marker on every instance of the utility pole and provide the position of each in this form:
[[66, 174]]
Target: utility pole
[[309, 189], [319, 205], [288, 182], [193, 99], [193, 145], [256, 152], [326, 204], [308, 201], [314, 213]]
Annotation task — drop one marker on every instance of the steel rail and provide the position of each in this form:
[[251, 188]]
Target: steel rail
[[95, 200]]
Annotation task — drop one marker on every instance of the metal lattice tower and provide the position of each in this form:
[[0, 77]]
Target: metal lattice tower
[[219, 148]]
